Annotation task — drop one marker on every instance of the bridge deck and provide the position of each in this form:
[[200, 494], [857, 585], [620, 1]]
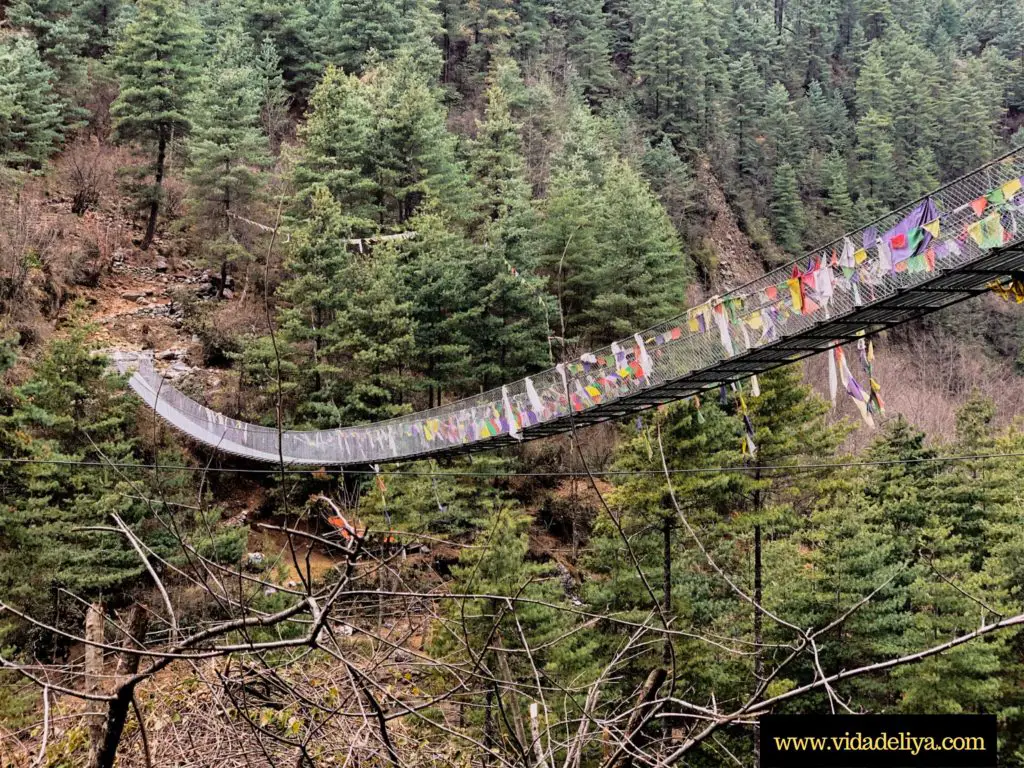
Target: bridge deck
[[933, 253]]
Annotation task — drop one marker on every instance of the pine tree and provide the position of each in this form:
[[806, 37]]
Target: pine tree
[[693, 438], [98, 20], [496, 159], [155, 66], [787, 142], [641, 274], [30, 111], [291, 26], [69, 410], [273, 96], [788, 218], [56, 28], [356, 31], [347, 315], [587, 44], [381, 146], [748, 89], [837, 200], [435, 276], [670, 58], [496, 631], [227, 148], [874, 164], [874, 89]]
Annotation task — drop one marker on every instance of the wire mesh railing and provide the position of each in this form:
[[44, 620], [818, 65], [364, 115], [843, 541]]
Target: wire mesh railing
[[944, 231]]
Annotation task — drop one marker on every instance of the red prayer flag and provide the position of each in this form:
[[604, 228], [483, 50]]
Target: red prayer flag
[[978, 205]]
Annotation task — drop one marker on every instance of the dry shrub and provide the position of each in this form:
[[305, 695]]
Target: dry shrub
[[87, 173], [28, 267]]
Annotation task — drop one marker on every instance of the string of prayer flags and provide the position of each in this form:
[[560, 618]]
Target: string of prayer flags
[[988, 232], [866, 351], [853, 388]]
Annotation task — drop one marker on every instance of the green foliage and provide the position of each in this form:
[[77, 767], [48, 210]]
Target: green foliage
[[379, 145], [347, 314], [70, 409], [788, 219], [227, 147], [30, 110], [155, 64]]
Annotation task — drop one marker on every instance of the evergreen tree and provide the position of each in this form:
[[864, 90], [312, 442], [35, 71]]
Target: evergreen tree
[[291, 27], [381, 146], [30, 111], [496, 632], [59, 37], [155, 66], [874, 164], [98, 20], [788, 218], [273, 97], [69, 410], [227, 147], [787, 142], [838, 202], [357, 30], [748, 89], [641, 274], [670, 58], [436, 280], [587, 43], [346, 313]]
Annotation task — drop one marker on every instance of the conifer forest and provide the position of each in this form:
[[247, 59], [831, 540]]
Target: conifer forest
[[566, 231]]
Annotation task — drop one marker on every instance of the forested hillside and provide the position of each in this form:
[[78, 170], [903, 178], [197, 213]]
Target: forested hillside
[[327, 213]]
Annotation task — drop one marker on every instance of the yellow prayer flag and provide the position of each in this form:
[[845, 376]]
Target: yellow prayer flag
[[754, 320], [860, 256], [794, 292], [932, 228], [1011, 188], [692, 323]]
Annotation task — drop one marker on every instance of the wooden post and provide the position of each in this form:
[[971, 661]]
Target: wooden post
[[94, 674]]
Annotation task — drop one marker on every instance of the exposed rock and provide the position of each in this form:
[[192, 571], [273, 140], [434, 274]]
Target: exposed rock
[[160, 265], [132, 295], [227, 293], [170, 354]]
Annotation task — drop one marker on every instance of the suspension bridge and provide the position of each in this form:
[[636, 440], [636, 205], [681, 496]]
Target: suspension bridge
[[963, 239]]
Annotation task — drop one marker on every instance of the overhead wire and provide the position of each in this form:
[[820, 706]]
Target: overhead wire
[[337, 471]]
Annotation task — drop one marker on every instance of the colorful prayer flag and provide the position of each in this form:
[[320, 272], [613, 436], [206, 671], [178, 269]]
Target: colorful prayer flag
[[987, 233]]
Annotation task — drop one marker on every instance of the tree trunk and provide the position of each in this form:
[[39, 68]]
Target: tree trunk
[[780, 6], [154, 205], [104, 754], [94, 674], [488, 726], [666, 567], [758, 618]]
